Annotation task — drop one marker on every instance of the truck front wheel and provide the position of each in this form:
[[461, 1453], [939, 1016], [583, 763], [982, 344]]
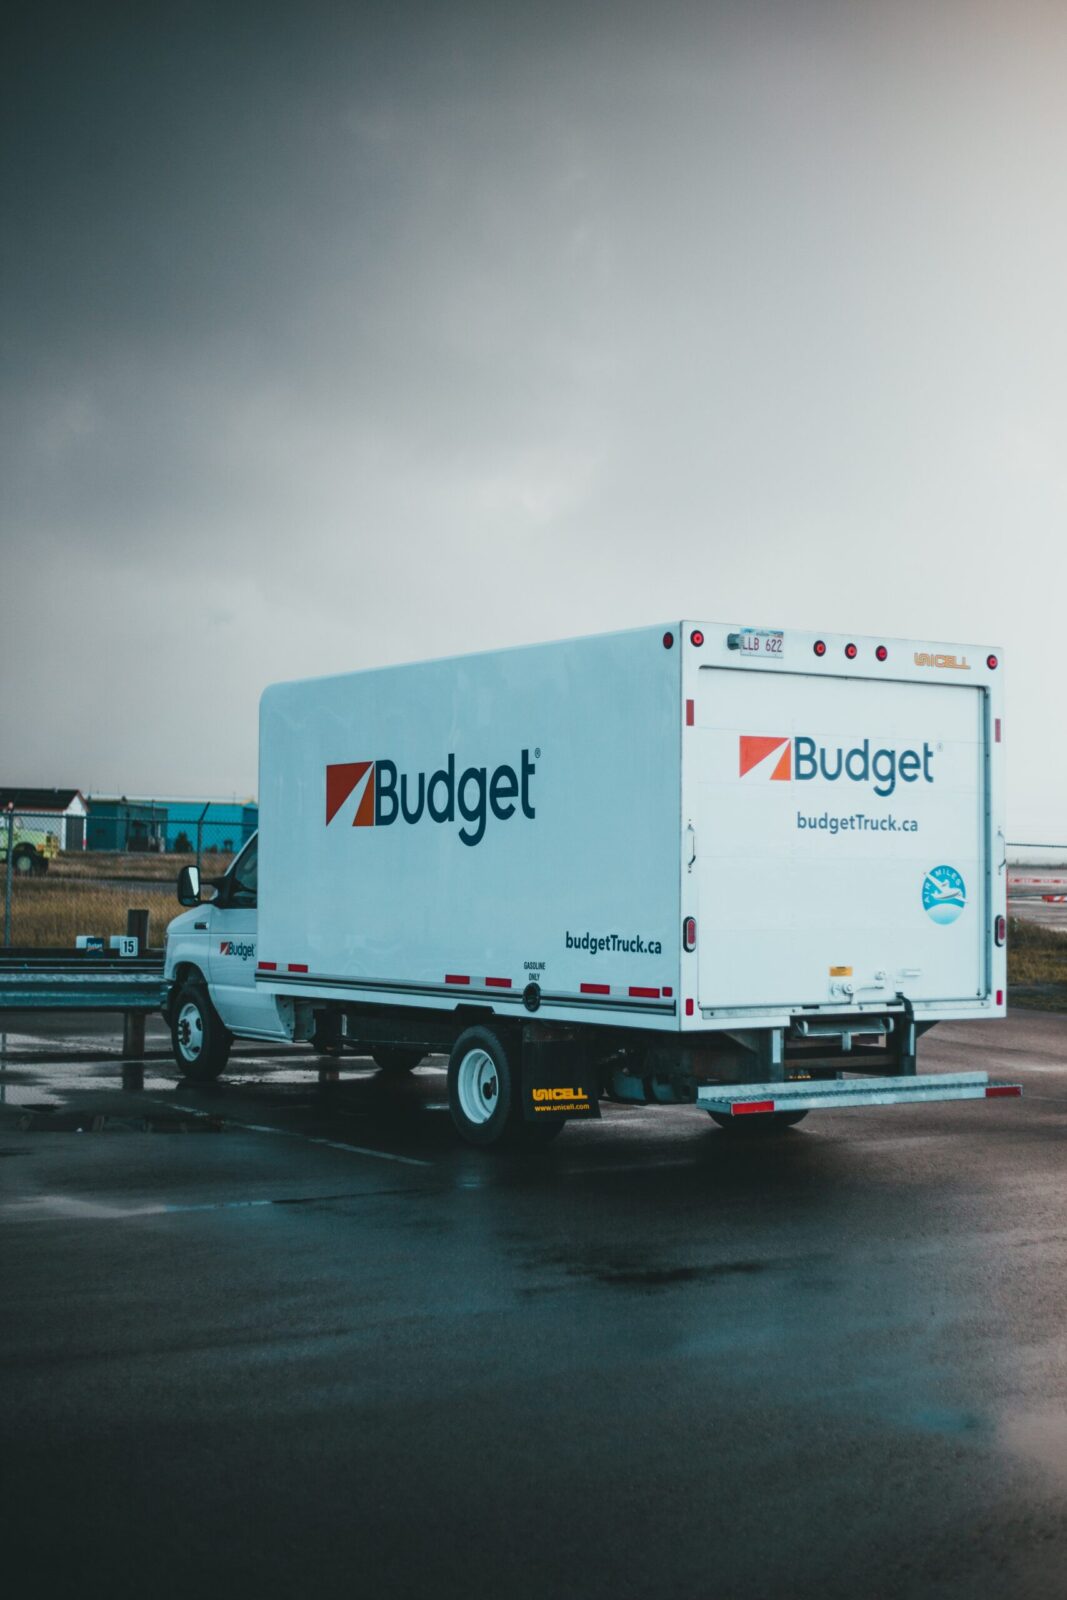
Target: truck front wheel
[[201, 1042], [760, 1126]]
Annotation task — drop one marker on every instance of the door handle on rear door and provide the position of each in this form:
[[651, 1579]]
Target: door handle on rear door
[[691, 843]]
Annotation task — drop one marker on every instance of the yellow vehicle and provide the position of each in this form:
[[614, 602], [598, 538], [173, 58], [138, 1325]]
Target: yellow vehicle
[[31, 848]]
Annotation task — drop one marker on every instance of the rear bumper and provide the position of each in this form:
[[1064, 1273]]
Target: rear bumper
[[755, 1099]]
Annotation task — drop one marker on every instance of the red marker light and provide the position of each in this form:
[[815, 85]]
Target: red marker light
[[882, 653], [689, 933], [668, 641], [992, 663], [1000, 930], [696, 637], [851, 651], [819, 647]]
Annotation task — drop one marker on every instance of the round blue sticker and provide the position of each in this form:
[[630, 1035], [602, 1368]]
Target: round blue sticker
[[944, 894]]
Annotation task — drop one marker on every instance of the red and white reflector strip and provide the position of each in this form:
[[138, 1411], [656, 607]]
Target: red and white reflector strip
[[594, 988], [297, 966], [456, 977], [267, 966], [1002, 1091], [636, 992], [747, 1108], [498, 983]]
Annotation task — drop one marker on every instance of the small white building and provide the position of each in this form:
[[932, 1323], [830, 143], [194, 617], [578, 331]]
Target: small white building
[[59, 811]]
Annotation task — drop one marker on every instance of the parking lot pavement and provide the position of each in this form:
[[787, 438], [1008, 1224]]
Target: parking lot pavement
[[283, 1339]]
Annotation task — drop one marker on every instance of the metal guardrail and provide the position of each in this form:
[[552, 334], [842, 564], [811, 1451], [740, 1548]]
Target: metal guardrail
[[46, 981]]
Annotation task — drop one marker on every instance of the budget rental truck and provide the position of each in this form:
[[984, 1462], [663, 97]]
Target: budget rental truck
[[736, 868]]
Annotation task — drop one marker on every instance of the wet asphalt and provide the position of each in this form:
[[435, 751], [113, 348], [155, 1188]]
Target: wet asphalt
[[284, 1339]]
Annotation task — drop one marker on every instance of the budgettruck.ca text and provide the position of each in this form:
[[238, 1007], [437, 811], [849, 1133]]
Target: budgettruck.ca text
[[858, 822], [632, 944]]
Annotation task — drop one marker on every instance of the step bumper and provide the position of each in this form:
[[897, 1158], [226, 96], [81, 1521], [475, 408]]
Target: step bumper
[[756, 1099]]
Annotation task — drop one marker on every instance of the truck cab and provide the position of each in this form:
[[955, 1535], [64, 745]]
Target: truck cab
[[210, 968]]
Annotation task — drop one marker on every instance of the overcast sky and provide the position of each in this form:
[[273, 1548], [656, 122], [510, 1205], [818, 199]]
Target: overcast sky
[[338, 335]]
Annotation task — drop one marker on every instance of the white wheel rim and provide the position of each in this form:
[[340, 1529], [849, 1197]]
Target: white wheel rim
[[190, 1031], [478, 1086]]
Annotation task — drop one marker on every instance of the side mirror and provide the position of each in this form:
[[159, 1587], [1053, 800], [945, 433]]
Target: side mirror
[[189, 886]]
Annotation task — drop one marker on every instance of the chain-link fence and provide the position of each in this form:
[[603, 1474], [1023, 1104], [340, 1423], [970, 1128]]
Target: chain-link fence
[[61, 882]]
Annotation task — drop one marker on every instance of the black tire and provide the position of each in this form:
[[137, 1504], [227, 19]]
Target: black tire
[[200, 1041], [394, 1058], [490, 1089], [24, 860], [763, 1125]]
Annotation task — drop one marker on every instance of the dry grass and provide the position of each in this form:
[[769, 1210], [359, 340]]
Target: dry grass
[[118, 865], [52, 912], [1037, 966]]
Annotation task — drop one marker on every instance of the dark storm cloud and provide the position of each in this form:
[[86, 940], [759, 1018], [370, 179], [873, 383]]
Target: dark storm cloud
[[342, 334]]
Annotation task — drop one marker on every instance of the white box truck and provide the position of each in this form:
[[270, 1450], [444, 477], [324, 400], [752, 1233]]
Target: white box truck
[[742, 869]]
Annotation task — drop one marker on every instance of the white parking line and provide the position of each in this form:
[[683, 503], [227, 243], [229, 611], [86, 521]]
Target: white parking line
[[291, 1133]]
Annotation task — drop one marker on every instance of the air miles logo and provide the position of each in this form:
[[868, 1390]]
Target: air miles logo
[[944, 894], [243, 952], [800, 759], [384, 796]]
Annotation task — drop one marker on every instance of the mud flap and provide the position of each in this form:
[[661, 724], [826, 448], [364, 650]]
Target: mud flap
[[558, 1078]]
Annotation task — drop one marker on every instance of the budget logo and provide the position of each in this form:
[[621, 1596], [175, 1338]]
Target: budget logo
[[799, 759], [376, 794], [757, 748], [230, 947], [341, 780]]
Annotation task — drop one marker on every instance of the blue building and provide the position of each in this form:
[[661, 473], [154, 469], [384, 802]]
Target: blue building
[[171, 825], [223, 825]]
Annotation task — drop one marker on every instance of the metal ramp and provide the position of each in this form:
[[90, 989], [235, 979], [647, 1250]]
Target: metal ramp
[[811, 1094]]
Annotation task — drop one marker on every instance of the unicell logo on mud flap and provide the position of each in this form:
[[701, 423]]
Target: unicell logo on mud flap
[[798, 759], [388, 796], [231, 947]]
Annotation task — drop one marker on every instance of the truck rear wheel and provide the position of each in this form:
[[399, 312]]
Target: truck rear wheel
[[200, 1040], [760, 1126], [485, 1092]]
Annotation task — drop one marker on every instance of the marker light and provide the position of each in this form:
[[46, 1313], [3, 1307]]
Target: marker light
[[1000, 930], [668, 640], [696, 637], [819, 647], [689, 933], [882, 653], [850, 651], [992, 663]]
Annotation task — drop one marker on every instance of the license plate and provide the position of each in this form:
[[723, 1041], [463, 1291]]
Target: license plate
[[762, 642]]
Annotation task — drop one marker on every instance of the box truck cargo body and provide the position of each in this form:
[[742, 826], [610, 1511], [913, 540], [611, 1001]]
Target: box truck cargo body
[[677, 863]]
